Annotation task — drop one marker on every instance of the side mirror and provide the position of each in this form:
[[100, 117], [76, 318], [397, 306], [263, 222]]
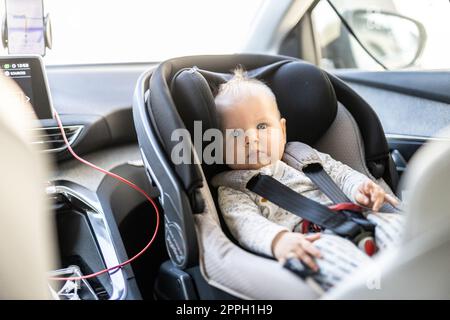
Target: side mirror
[[395, 40]]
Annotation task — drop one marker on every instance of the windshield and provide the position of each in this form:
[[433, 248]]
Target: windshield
[[375, 34], [105, 31]]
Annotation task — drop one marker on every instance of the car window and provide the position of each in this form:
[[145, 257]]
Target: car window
[[104, 31], [383, 34]]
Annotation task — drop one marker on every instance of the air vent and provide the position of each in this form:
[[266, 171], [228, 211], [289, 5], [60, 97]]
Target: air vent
[[52, 139]]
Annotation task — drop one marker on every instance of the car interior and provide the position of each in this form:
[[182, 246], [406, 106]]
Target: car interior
[[94, 207]]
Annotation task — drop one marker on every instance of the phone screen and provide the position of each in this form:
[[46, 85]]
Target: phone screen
[[29, 74], [25, 26]]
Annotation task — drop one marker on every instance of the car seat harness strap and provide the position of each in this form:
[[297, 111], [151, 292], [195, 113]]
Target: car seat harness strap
[[344, 219], [286, 198], [323, 181]]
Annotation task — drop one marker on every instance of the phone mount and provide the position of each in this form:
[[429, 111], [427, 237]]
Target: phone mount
[[47, 32]]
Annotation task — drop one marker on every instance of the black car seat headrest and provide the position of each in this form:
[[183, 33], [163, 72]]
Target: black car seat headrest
[[304, 95], [182, 91]]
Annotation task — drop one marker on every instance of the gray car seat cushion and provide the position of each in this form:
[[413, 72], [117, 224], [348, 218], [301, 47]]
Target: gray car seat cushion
[[231, 269], [345, 128]]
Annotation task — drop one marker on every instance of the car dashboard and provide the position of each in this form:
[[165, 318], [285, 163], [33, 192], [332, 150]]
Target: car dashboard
[[94, 213]]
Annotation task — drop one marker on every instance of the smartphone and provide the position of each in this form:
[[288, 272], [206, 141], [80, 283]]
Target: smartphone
[[25, 26]]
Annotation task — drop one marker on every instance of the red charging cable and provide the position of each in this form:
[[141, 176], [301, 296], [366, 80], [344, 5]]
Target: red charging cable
[[119, 178]]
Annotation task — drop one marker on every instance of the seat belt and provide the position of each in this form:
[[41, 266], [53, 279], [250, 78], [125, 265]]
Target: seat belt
[[323, 181], [286, 198]]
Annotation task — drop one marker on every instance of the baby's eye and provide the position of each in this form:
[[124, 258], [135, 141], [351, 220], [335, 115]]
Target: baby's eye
[[261, 126]]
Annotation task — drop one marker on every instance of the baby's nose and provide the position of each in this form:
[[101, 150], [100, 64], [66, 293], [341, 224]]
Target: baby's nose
[[251, 137]]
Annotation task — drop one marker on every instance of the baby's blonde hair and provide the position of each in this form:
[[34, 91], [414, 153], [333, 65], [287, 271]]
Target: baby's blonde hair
[[240, 86]]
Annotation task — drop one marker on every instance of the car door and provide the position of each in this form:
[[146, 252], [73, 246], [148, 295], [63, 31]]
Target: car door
[[390, 52]]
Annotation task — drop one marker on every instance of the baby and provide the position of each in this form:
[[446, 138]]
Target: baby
[[247, 108]]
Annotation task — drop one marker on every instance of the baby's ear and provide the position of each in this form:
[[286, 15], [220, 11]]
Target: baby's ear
[[283, 126]]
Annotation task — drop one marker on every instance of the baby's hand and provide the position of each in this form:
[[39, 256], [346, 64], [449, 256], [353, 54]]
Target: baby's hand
[[372, 195], [292, 244]]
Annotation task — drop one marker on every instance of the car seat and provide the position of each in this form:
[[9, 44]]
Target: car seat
[[321, 110]]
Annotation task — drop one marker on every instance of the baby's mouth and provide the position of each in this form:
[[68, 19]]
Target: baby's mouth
[[256, 155]]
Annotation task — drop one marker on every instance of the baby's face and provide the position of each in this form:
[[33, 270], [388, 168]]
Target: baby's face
[[254, 133]]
